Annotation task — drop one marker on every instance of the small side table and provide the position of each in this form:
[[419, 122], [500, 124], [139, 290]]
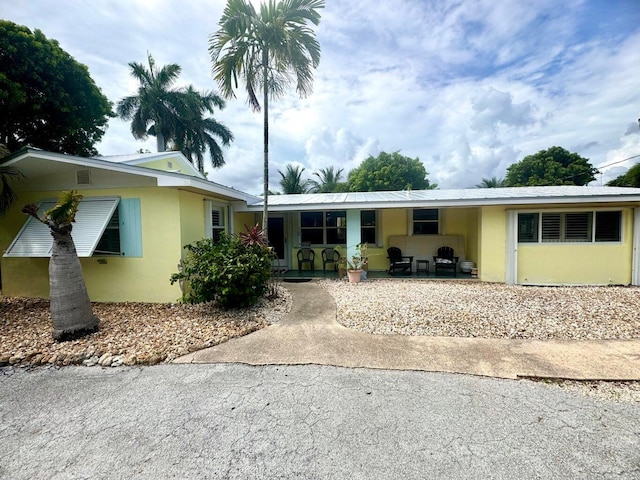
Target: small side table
[[425, 268]]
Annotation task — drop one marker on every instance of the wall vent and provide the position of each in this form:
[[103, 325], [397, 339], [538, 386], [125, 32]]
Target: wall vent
[[83, 177]]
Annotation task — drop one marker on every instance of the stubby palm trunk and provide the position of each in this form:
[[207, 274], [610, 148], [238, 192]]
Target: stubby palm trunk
[[265, 89], [71, 309]]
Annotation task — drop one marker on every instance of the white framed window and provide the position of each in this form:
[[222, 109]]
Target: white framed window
[[426, 221], [570, 227], [215, 220], [369, 227], [104, 226]]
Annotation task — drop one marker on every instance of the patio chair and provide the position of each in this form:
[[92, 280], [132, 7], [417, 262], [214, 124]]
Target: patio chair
[[306, 256], [330, 255], [398, 262], [445, 260]]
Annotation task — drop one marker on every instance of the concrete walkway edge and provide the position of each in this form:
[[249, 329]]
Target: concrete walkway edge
[[310, 334]]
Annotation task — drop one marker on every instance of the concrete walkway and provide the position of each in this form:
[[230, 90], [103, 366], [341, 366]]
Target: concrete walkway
[[309, 334]]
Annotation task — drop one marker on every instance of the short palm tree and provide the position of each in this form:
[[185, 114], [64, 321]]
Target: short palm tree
[[71, 310], [195, 133], [153, 110], [492, 182], [268, 49], [328, 180], [291, 181]]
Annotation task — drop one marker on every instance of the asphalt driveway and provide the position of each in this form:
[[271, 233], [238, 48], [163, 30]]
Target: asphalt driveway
[[238, 421]]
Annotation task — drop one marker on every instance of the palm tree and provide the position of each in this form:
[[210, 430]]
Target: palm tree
[[71, 310], [153, 110], [328, 180], [493, 182], [291, 181], [195, 134], [268, 50]]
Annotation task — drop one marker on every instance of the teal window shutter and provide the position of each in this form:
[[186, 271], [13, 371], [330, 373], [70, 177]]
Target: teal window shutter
[[130, 227]]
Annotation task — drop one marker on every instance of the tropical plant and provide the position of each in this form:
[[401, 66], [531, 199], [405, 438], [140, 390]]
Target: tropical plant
[[70, 307], [389, 171], [328, 180], [291, 180], [7, 174], [230, 271], [195, 133], [629, 179], [47, 99], [154, 109], [554, 166], [268, 49], [493, 182]]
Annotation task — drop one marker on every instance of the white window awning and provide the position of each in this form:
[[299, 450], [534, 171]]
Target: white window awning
[[94, 213]]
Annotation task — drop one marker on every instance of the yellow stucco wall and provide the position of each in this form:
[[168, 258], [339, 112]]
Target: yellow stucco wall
[[463, 222], [240, 219], [192, 215], [109, 278], [492, 230], [578, 263]]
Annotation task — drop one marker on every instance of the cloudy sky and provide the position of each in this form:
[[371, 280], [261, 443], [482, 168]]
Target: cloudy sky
[[469, 87]]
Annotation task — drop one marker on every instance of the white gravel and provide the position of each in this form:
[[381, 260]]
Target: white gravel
[[487, 310]]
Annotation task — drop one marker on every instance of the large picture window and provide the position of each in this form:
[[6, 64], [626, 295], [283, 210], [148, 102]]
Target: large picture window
[[425, 221], [569, 227], [324, 228]]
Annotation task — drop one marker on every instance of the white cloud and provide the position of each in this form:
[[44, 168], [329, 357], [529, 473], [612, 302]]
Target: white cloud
[[468, 87]]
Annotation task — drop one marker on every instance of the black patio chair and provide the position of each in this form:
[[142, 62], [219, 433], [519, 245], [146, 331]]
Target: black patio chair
[[306, 256], [330, 256], [445, 260], [399, 263]]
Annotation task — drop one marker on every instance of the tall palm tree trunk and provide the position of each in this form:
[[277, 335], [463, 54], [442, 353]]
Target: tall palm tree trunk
[[71, 310], [265, 90], [160, 141]]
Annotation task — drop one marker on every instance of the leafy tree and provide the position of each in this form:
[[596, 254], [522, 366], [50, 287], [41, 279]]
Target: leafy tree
[[291, 181], [389, 171], [629, 179], [554, 166], [493, 182], [154, 109], [328, 180], [195, 134], [47, 99], [7, 195], [70, 307], [267, 49]]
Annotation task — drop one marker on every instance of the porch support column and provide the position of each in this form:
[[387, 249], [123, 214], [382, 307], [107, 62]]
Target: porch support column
[[511, 277], [635, 265], [353, 232]]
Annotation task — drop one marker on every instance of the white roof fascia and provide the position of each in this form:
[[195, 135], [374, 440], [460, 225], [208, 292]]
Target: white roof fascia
[[164, 179], [146, 157], [448, 199], [94, 213]]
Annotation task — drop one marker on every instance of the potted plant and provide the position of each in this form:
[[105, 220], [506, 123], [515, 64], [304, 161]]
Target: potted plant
[[357, 263]]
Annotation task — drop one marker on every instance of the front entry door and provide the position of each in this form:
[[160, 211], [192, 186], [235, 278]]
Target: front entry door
[[276, 238]]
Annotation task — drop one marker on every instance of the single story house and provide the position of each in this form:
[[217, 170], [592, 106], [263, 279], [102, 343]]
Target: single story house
[[140, 210]]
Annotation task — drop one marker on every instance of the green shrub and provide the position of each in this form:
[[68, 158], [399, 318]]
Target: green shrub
[[228, 272]]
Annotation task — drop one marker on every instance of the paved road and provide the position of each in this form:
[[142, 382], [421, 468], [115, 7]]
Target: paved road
[[237, 421]]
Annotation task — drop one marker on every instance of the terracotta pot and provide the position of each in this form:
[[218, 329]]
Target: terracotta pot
[[354, 276]]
